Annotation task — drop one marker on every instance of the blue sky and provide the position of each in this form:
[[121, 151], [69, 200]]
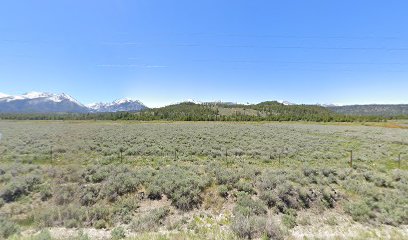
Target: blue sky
[[160, 52]]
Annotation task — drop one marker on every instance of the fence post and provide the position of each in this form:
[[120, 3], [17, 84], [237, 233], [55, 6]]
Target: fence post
[[399, 160], [351, 158], [51, 153]]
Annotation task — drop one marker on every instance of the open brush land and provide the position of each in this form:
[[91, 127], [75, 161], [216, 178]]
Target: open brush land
[[203, 180]]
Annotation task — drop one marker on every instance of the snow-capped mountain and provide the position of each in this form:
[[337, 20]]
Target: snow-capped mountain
[[40, 102], [120, 105], [2, 95], [328, 105], [192, 101], [287, 103]]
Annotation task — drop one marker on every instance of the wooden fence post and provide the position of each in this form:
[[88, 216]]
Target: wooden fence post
[[51, 153], [399, 160]]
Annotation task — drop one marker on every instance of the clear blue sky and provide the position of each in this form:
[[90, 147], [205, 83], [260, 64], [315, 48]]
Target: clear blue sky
[[162, 51]]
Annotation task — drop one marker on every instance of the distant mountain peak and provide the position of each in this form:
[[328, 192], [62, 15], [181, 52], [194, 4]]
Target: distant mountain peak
[[3, 95], [44, 102], [122, 100], [68, 97], [32, 95], [126, 100], [193, 101], [328, 105], [286, 103], [40, 102], [40, 95], [124, 104]]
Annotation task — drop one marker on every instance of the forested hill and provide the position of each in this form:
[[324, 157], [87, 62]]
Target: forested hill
[[372, 110], [187, 111]]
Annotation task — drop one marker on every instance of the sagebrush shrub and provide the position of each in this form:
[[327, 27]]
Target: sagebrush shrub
[[151, 220], [20, 186], [118, 233], [8, 228]]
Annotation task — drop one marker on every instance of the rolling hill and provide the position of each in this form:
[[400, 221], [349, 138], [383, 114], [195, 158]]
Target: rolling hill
[[383, 110]]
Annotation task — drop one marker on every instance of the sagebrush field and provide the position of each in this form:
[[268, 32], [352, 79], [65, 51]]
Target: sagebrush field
[[200, 180]]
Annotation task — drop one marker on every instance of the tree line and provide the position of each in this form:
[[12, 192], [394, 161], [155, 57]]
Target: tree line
[[266, 111]]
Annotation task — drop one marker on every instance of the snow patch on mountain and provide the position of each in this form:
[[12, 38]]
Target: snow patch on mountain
[[286, 103], [193, 101], [33, 95], [329, 104], [3, 95], [124, 104], [40, 102], [40, 96]]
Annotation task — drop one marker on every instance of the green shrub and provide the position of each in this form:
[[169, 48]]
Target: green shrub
[[360, 212], [124, 209], [226, 177], [328, 197], [154, 192], [332, 221], [100, 215], [82, 236], [270, 198], [43, 235], [186, 194], [250, 220], [245, 187], [8, 228], [65, 194], [273, 230], [150, 221], [248, 227], [89, 195], [246, 206], [118, 233], [223, 191], [290, 194], [289, 220], [19, 187], [71, 216], [100, 224], [120, 184], [183, 187], [309, 172], [96, 174], [45, 192]]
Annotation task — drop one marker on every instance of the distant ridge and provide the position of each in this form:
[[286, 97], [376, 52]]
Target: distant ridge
[[384, 110]]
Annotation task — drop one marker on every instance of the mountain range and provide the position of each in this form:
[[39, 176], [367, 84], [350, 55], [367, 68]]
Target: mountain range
[[121, 105], [40, 102]]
